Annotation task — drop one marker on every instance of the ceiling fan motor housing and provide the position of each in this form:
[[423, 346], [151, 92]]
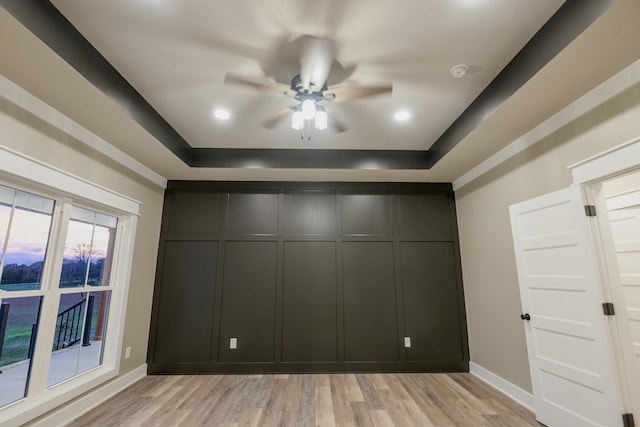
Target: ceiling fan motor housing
[[301, 93]]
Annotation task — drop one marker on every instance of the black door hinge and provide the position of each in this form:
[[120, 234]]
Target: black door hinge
[[607, 308], [627, 420], [590, 210]]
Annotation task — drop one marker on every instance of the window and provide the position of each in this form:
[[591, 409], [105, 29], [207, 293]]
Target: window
[[65, 257], [81, 319], [25, 224]]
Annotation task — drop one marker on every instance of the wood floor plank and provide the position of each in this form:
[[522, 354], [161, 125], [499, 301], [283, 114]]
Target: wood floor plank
[[476, 403], [306, 402], [381, 418], [361, 415], [297, 400], [273, 408], [354, 394], [343, 414], [141, 416], [434, 413], [324, 406], [378, 382], [416, 416], [369, 393]]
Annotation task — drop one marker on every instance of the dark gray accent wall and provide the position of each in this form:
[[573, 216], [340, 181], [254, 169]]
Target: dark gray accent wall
[[308, 277]]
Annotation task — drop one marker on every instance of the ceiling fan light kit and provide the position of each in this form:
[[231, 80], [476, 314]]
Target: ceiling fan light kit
[[308, 109], [321, 121], [297, 120]]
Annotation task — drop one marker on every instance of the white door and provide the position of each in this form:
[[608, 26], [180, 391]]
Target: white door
[[625, 230], [569, 349]]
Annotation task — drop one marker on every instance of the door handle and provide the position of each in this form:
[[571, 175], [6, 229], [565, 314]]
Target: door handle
[[525, 317]]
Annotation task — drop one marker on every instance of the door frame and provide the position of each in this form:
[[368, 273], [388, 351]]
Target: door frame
[[590, 174], [624, 355]]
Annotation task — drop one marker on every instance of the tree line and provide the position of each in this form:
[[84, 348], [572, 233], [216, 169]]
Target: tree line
[[73, 272]]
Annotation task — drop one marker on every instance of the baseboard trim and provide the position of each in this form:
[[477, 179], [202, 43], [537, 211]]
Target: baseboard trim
[[90, 400], [303, 367], [505, 387]]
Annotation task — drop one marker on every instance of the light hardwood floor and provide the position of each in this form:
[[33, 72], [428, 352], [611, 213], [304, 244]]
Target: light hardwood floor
[[309, 400]]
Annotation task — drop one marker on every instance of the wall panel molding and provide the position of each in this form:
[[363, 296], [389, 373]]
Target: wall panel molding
[[308, 277]]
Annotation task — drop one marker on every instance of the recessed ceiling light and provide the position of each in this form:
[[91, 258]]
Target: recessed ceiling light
[[402, 116], [222, 114]]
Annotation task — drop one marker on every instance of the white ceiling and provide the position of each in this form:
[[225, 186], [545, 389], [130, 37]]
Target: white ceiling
[[176, 54]]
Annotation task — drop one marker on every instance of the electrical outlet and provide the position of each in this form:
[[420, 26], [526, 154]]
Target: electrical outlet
[[127, 352], [407, 342], [233, 343]]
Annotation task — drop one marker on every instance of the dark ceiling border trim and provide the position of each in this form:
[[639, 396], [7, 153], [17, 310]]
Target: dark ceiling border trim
[[48, 24], [309, 158]]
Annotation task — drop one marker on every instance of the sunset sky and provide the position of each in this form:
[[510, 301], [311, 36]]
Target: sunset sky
[[30, 231]]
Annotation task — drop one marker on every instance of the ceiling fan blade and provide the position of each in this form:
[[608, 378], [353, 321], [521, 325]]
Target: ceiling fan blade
[[276, 118], [348, 93], [231, 78], [336, 125], [316, 59]]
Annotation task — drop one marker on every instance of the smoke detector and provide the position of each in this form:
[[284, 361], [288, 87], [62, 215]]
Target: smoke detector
[[458, 71]]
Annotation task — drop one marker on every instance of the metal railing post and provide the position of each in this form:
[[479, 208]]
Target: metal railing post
[[4, 316], [86, 338]]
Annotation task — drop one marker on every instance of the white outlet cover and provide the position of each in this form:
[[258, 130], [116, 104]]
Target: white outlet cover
[[127, 352], [407, 342], [233, 343]]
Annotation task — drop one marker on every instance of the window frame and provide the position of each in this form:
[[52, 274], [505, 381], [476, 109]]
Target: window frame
[[30, 175]]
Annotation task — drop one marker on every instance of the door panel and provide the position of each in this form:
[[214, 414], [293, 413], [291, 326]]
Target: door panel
[[625, 228], [567, 339]]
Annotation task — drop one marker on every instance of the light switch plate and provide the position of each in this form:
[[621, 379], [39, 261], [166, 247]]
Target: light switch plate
[[127, 352], [233, 343], [407, 342]]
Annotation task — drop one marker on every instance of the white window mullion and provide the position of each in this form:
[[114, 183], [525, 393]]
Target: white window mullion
[[5, 244], [49, 309]]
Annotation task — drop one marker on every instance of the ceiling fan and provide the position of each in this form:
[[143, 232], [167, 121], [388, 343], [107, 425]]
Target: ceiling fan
[[306, 70]]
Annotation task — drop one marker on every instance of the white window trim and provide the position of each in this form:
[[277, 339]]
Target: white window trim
[[23, 169], [32, 170]]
